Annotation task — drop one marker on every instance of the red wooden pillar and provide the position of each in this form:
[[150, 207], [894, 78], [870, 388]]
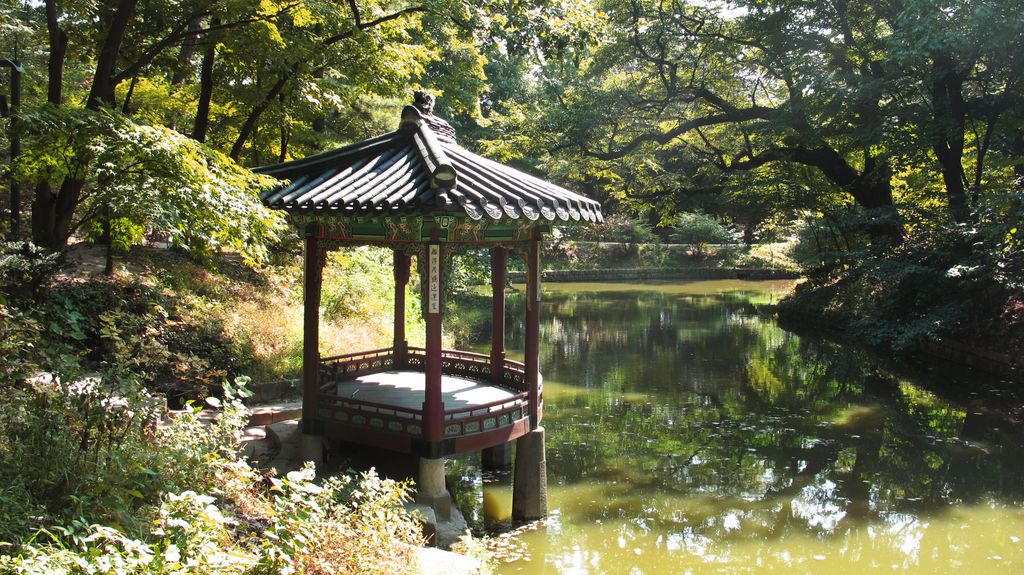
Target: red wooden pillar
[[532, 343], [400, 345], [433, 406], [311, 333], [499, 269]]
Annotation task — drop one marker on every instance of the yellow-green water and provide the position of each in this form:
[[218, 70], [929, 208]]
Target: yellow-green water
[[688, 433]]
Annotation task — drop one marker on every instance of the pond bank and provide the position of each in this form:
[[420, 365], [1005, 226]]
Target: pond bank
[[954, 351], [698, 273]]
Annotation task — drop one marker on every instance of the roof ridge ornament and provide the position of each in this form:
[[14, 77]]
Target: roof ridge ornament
[[424, 102]]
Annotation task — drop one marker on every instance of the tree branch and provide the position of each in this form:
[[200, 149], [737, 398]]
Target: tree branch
[[360, 25], [730, 116], [183, 32]]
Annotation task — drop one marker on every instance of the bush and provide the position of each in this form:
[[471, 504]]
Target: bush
[[176, 345], [700, 230], [933, 285], [116, 496], [614, 228], [24, 268], [91, 448]]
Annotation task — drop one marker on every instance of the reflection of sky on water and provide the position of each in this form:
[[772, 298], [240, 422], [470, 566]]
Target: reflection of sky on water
[[688, 433], [820, 505]]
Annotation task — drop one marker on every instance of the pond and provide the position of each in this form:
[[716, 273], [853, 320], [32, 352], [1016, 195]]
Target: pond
[[687, 432]]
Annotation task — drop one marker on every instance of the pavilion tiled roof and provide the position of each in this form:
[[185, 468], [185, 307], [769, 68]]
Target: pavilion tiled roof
[[419, 169]]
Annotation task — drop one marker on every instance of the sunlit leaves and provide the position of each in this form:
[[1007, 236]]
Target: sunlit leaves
[[153, 177]]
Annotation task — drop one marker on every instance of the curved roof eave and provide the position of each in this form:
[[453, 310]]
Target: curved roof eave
[[419, 169]]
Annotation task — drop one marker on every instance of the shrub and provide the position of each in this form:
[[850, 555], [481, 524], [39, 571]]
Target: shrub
[[358, 282], [174, 344], [177, 500], [614, 228], [700, 230], [24, 268]]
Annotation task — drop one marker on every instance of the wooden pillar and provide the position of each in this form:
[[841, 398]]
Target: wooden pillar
[[433, 406], [400, 344], [499, 269], [311, 333], [532, 343]]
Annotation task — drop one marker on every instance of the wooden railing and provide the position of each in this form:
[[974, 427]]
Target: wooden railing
[[468, 420], [332, 406], [355, 364], [461, 421]]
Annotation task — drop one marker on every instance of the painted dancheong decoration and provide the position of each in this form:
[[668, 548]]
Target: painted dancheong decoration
[[418, 192]]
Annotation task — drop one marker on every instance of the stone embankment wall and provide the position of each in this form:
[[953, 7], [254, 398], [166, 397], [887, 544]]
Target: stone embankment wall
[[632, 274]]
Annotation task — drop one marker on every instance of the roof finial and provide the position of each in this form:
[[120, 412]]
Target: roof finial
[[424, 101]]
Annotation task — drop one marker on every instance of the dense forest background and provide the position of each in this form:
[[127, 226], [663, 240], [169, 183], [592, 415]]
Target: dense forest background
[[885, 139]]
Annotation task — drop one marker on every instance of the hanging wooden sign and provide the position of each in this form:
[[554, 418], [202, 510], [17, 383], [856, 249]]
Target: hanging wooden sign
[[434, 289]]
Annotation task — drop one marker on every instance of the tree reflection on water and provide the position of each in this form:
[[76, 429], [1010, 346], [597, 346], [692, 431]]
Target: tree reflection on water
[[693, 424]]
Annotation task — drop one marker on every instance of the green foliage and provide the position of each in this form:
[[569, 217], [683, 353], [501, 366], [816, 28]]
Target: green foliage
[[151, 178], [700, 230], [614, 228], [358, 282], [469, 269], [90, 447], [91, 484], [173, 344], [347, 524], [24, 268], [935, 286], [624, 233]]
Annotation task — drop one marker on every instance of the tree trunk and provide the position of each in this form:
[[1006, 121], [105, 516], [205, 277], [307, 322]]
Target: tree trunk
[[184, 70], [126, 106], [43, 215], [43, 205], [1018, 152], [285, 137], [871, 188], [53, 214], [873, 192], [748, 234], [64, 211], [58, 51], [103, 83], [108, 243], [254, 115], [202, 122], [949, 116]]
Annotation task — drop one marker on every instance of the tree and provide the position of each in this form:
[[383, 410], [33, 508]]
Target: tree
[[217, 70], [60, 193], [149, 178], [682, 103]]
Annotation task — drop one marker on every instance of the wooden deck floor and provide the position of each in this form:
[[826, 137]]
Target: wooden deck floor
[[405, 389]]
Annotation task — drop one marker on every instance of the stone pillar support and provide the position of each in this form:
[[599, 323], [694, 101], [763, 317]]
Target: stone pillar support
[[530, 480], [430, 489]]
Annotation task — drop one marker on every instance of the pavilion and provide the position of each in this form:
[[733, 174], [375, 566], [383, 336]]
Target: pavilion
[[417, 191]]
